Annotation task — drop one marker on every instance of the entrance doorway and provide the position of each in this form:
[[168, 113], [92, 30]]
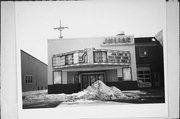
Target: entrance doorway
[[89, 78]]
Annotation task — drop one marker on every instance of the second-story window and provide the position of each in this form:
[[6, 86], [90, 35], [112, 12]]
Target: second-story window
[[143, 52]]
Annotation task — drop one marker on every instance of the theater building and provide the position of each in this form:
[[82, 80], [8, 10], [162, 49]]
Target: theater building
[[74, 64]]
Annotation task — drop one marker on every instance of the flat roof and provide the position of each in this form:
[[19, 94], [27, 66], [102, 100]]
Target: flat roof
[[87, 37]]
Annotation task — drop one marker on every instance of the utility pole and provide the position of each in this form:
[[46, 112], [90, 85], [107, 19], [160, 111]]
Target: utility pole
[[60, 28]]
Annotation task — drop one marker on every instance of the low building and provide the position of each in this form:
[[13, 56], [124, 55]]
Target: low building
[[34, 73], [149, 61], [74, 64]]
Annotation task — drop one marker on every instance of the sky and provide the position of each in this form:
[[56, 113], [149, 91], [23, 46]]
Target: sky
[[35, 20]]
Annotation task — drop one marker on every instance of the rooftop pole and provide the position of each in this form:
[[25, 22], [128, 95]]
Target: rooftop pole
[[60, 28]]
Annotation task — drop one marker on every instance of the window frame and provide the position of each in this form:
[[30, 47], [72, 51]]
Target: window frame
[[53, 76], [28, 79], [123, 73]]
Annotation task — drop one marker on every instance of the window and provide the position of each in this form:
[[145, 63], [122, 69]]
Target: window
[[100, 57], [127, 73], [144, 76], [57, 77], [28, 79], [143, 52]]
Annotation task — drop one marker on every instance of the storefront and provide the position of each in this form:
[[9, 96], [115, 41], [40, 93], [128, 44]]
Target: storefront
[[83, 61], [149, 61]]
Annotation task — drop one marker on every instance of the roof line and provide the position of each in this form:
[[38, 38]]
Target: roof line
[[32, 56], [147, 37]]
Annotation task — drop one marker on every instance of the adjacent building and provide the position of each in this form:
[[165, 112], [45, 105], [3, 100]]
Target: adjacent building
[[149, 61], [34, 73]]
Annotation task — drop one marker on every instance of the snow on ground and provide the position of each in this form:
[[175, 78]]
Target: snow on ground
[[134, 93], [98, 91], [38, 92], [83, 102], [44, 97]]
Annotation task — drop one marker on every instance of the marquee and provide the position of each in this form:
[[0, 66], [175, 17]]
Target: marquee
[[100, 56]]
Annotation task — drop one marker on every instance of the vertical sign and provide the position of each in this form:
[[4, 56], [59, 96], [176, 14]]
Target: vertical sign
[[83, 57]]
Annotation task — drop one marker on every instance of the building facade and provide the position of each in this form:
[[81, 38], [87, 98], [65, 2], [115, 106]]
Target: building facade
[[34, 73], [74, 64], [149, 61]]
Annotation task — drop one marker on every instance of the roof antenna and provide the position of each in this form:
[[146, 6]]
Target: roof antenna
[[60, 28]]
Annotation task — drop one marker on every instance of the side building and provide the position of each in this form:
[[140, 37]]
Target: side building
[[74, 64], [149, 61], [34, 73]]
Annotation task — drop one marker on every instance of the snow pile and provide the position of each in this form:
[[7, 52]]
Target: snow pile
[[99, 91]]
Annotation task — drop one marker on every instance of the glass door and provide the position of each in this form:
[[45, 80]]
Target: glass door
[[88, 79], [85, 81]]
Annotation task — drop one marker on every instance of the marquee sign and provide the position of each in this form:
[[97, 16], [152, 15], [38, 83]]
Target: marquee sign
[[76, 57], [112, 56], [100, 56], [118, 40], [118, 57]]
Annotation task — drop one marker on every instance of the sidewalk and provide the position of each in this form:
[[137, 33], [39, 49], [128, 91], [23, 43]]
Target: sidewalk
[[147, 95]]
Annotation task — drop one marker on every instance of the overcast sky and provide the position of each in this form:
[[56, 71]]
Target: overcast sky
[[35, 20]]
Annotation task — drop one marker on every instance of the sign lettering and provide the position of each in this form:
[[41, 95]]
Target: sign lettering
[[115, 57], [118, 40]]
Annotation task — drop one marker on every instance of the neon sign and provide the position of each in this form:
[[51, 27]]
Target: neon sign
[[118, 40]]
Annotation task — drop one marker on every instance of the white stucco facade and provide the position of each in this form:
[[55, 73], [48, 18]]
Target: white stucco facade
[[60, 46]]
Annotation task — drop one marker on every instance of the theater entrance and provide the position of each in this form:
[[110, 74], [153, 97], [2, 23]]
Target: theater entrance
[[89, 78]]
